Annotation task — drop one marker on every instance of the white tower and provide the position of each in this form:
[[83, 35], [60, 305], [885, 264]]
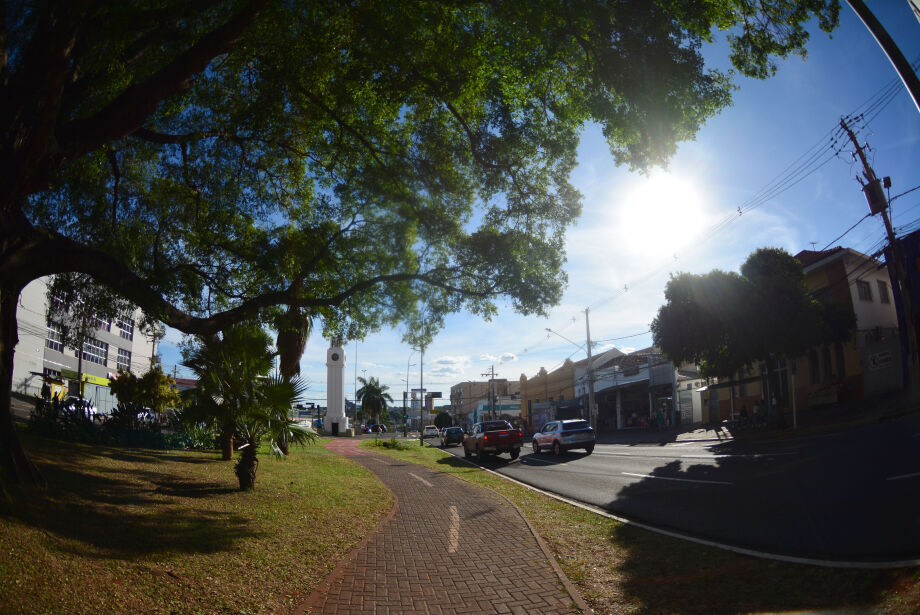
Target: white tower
[[335, 422]]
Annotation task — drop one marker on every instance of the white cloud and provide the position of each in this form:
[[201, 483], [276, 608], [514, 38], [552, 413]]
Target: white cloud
[[488, 357], [507, 357]]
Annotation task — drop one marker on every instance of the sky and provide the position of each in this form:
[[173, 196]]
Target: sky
[[764, 172]]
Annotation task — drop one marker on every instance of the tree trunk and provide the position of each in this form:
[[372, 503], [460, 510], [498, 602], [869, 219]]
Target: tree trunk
[[15, 465], [246, 467], [226, 439]]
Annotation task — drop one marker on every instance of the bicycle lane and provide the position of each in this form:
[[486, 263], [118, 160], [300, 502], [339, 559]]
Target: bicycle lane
[[448, 547]]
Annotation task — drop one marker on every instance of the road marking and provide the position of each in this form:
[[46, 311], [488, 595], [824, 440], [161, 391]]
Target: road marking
[[422, 480], [683, 480], [454, 532], [596, 452], [739, 456], [903, 476]]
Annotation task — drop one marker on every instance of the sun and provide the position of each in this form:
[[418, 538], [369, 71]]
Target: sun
[[661, 214]]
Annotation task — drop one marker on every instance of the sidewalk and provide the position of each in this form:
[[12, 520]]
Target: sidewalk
[[448, 547]]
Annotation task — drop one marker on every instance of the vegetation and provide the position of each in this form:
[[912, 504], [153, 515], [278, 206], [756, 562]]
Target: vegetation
[[443, 419], [155, 390], [373, 397], [622, 570], [354, 163], [726, 321], [143, 531]]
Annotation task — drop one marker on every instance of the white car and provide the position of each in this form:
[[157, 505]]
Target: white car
[[430, 431]]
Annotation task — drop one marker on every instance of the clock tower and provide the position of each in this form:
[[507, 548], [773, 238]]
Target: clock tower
[[335, 422]]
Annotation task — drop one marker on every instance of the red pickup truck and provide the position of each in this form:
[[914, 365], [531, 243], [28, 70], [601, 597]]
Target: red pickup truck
[[493, 437]]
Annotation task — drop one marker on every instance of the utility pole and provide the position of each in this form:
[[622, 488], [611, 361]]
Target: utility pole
[[592, 409], [875, 195], [421, 394], [491, 374]]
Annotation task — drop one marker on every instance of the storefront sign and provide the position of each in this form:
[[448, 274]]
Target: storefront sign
[[72, 375]]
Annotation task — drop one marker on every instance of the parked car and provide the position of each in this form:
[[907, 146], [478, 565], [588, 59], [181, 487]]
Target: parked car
[[378, 428], [451, 435], [430, 431], [491, 437], [562, 436]]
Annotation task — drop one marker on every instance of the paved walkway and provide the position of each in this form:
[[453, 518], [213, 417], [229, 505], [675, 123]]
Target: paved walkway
[[450, 547]]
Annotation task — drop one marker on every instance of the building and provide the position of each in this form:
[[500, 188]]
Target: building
[[866, 365], [550, 395], [465, 397], [630, 390], [40, 357]]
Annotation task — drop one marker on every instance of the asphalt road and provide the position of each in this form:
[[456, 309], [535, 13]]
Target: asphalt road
[[844, 496]]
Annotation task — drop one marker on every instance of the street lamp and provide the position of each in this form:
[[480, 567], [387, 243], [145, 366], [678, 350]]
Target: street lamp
[[406, 404]]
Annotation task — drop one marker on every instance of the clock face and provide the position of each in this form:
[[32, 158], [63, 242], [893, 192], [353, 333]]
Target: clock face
[[335, 356]]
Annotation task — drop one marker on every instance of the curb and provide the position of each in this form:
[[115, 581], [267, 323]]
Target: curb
[[791, 559]]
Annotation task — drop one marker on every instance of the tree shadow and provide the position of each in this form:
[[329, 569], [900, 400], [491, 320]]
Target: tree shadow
[[743, 502], [127, 512]]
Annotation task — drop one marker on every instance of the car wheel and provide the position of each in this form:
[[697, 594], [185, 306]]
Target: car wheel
[[515, 452], [557, 449], [589, 449], [536, 447]]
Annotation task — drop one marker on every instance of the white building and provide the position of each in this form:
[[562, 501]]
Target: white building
[[41, 357]]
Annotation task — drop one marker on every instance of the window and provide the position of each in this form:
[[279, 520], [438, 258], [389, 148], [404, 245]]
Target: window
[[102, 323], [883, 292], [864, 290], [52, 373], [95, 351], [126, 326], [55, 337], [124, 359]]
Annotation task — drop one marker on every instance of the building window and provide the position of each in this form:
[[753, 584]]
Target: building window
[[95, 351], [102, 323], [864, 290], [126, 327], [124, 359], [883, 292], [55, 337], [52, 373]]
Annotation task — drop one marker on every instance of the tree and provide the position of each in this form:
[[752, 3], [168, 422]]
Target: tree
[[373, 397], [228, 367], [443, 419], [155, 390], [270, 417], [211, 160], [726, 321]]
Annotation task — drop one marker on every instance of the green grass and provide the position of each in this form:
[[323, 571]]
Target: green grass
[[622, 569], [141, 531]]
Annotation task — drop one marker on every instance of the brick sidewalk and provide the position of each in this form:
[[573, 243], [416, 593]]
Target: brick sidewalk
[[451, 547]]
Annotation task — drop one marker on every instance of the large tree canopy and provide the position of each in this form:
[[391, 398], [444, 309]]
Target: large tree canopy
[[210, 159]]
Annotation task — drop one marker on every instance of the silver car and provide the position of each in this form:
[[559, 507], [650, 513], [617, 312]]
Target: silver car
[[562, 436]]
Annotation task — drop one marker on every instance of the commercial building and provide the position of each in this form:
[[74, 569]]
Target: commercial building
[[41, 357]]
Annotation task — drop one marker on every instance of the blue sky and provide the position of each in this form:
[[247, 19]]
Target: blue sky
[[635, 231]]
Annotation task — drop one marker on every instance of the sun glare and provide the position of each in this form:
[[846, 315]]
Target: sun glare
[[661, 214]]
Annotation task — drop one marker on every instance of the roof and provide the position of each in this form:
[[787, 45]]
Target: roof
[[810, 257]]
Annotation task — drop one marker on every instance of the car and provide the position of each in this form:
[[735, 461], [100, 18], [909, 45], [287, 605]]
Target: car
[[451, 435], [430, 431], [377, 428], [562, 436], [493, 438]]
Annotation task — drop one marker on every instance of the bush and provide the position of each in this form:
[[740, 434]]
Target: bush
[[391, 443]]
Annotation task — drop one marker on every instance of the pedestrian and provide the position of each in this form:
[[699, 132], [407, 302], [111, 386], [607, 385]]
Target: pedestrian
[[46, 392]]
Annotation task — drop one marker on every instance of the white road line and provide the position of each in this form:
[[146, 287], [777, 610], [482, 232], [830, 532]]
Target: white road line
[[683, 480], [422, 480], [454, 532], [903, 476], [597, 452]]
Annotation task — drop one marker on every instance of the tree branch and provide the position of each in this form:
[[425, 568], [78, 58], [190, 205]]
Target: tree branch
[[127, 112]]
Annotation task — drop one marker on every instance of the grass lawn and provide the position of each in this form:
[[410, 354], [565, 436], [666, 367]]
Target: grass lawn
[[622, 569], [142, 531]]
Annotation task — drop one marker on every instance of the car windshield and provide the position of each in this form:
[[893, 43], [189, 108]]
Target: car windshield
[[453, 430], [495, 426], [575, 425]]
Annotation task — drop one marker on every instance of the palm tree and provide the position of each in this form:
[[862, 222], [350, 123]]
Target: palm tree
[[270, 417], [228, 368], [373, 396]]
